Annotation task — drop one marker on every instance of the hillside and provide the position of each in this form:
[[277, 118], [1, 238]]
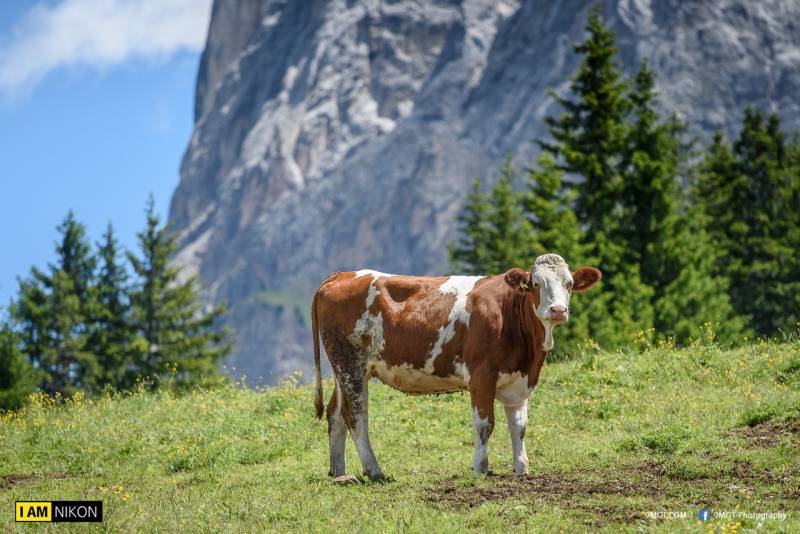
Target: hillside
[[343, 135], [611, 438]]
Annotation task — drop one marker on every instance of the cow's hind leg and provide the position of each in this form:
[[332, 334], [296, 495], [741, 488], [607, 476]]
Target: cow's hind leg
[[360, 432], [356, 391], [337, 433]]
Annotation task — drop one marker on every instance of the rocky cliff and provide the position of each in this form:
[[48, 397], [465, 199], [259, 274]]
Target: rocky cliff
[[343, 134]]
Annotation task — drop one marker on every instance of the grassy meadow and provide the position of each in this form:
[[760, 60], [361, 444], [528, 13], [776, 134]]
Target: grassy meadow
[[613, 439]]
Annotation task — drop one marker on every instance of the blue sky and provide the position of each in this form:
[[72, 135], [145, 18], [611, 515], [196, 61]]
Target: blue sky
[[93, 117]]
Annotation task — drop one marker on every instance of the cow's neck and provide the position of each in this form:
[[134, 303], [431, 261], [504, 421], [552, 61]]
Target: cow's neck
[[526, 333]]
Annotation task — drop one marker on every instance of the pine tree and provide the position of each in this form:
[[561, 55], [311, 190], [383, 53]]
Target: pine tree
[[510, 232], [747, 195], [111, 333], [789, 292], [548, 204], [589, 137], [696, 295], [665, 238], [176, 337], [760, 153], [75, 257], [469, 254], [650, 184], [590, 140], [495, 235], [17, 376], [53, 311], [719, 192]]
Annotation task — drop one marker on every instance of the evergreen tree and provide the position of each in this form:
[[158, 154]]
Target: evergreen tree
[[495, 235], [760, 156], [75, 258], [749, 196], [469, 254], [548, 204], [17, 376], [175, 335], [650, 183], [667, 240], [589, 136], [53, 311], [697, 294], [509, 231], [590, 140], [111, 334], [789, 275]]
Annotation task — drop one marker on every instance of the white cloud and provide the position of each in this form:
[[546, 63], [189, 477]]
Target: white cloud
[[98, 33]]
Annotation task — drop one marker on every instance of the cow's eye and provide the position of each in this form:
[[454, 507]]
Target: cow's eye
[[536, 285]]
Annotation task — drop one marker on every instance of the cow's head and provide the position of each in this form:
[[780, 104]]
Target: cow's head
[[552, 284]]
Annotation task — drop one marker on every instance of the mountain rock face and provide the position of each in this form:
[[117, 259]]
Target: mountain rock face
[[344, 134]]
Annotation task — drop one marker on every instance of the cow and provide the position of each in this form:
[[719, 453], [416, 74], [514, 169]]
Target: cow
[[488, 335]]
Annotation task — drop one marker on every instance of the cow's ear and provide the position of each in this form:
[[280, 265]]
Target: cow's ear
[[518, 279], [585, 277]]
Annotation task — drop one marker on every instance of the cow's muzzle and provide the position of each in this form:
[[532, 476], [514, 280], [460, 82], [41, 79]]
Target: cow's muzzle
[[557, 314]]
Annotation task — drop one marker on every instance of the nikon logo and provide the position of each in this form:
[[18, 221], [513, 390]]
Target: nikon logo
[[55, 511]]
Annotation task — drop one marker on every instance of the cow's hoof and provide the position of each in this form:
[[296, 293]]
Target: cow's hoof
[[375, 477], [346, 479], [521, 469]]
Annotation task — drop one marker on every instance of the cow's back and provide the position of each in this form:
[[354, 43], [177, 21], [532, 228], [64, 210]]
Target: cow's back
[[407, 330]]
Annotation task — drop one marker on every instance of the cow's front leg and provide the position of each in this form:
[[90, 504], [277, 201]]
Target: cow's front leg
[[482, 423], [517, 423]]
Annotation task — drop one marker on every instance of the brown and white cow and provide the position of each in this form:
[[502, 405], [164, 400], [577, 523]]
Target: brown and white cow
[[437, 334]]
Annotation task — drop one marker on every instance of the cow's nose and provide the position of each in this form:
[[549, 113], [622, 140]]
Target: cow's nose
[[558, 312]]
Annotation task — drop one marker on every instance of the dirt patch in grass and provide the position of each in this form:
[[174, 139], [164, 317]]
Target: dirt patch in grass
[[632, 480], [769, 433], [598, 495], [9, 481]]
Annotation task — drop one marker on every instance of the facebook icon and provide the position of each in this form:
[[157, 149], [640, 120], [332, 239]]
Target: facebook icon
[[704, 514]]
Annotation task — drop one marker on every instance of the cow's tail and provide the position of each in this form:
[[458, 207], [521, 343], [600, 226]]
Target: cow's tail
[[319, 406]]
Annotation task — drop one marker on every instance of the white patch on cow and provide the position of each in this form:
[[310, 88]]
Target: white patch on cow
[[372, 293], [549, 341], [480, 458], [461, 369], [369, 325], [460, 286], [409, 379], [512, 388], [374, 274]]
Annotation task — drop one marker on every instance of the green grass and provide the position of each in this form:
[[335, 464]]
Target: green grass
[[611, 438]]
